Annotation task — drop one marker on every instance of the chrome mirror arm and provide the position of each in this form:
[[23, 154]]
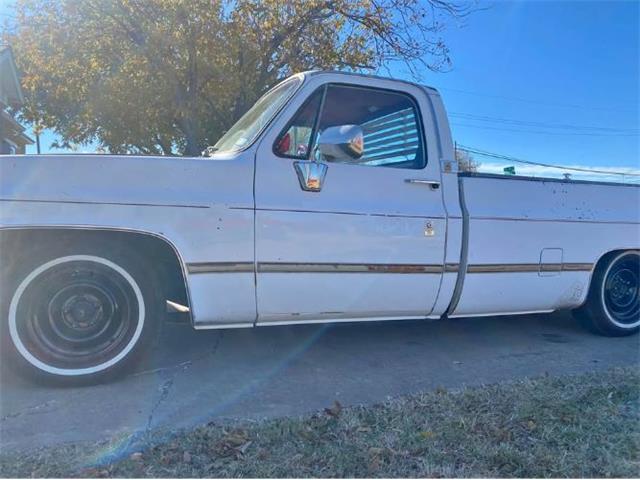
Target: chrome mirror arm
[[310, 174]]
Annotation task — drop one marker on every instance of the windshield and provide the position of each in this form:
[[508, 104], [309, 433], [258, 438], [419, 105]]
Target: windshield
[[245, 130]]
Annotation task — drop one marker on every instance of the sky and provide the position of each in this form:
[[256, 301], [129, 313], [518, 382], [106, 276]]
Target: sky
[[552, 64], [556, 82]]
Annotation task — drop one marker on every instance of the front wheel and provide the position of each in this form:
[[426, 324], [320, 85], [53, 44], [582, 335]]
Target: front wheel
[[613, 304], [81, 316]]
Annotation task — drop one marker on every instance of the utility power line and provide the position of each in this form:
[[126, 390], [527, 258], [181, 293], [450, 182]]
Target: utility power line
[[561, 126], [540, 132], [500, 156], [537, 102]]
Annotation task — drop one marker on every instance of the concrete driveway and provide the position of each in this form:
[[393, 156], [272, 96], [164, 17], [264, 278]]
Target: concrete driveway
[[194, 377]]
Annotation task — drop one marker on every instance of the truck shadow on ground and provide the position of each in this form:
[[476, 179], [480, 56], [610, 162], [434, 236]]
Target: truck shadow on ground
[[192, 377]]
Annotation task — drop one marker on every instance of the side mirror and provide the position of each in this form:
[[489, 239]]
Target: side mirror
[[342, 142]]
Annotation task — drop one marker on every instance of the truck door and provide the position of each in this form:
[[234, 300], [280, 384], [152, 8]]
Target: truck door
[[350, 222]]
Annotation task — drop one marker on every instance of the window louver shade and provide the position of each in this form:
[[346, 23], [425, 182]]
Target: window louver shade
[[391, 139]]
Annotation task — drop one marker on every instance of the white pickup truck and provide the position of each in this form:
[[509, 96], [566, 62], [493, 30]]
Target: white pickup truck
[[336, 198]]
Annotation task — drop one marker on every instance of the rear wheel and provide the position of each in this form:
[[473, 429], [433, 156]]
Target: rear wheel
[[613, 305], [80, 315]]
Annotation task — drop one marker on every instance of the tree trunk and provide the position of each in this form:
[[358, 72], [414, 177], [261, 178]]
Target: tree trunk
[[192, 147]]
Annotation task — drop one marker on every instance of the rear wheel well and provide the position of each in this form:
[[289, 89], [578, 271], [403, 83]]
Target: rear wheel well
[[155, 251]]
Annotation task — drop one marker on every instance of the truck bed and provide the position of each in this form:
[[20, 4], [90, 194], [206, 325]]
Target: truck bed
[[525, 239]]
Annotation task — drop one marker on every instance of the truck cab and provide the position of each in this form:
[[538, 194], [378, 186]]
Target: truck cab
[[368, 239]]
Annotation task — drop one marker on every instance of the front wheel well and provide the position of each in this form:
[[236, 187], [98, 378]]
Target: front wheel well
[[157, 252]]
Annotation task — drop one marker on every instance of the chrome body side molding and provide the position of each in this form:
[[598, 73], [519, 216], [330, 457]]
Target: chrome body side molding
[[529, 267], [293, 267], [220, 267]]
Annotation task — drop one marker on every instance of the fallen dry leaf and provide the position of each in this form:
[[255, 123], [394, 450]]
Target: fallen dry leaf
[[335, 410], [236, 438], [91, 472], [307, 434], [376, 451]]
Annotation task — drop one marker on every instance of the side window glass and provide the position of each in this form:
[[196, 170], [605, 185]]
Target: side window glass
[[295, 140], [388, 121]]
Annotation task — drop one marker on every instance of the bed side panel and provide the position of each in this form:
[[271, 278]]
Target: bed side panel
[[513, 222]]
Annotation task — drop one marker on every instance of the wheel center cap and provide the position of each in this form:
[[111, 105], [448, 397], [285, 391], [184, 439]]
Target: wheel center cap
[[622, 289], [82, 311]]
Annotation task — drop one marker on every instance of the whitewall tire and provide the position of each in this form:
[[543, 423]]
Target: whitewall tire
[[80, 316], [613, 305]]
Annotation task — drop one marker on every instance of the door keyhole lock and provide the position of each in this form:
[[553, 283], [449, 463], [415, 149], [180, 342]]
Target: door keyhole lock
[[429, 231]]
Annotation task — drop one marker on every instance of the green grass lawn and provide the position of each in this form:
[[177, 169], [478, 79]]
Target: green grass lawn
[[577, 426]]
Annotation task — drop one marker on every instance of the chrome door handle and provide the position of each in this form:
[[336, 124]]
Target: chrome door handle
[[432, 184]]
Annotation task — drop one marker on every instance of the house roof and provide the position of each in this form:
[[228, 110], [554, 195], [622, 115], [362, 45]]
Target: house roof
[[13, 130], [10, 90]]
